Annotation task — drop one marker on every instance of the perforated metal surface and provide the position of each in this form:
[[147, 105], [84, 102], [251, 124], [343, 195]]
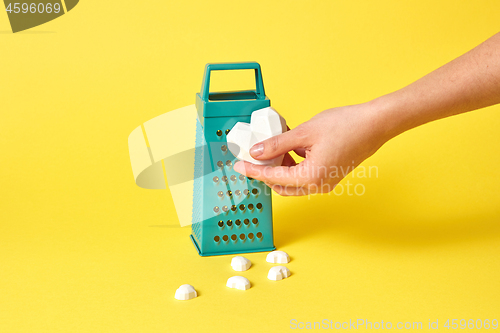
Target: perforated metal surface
[[231, 213]]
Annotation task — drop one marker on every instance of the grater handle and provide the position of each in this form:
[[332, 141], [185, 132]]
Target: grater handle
[[259, 84]]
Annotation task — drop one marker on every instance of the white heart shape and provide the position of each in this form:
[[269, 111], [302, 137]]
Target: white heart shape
[[264, 124]]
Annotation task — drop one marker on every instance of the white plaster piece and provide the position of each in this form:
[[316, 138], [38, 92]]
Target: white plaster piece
[[185, 292], [277, 273], [240, 263], [238, 282], [264, 124], [278, 257]]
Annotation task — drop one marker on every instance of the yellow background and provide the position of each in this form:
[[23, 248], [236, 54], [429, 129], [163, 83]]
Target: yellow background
[[83, 249]]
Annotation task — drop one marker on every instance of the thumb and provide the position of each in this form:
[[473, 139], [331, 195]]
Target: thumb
[[278, 145]]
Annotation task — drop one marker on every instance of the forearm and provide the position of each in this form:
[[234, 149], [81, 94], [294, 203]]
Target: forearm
[[467, 83]]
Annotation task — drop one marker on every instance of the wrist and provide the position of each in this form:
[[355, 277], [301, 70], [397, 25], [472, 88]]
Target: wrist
[[389, 116]]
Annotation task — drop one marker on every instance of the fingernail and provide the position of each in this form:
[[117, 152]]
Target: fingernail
[[238, 167], [257, 150]]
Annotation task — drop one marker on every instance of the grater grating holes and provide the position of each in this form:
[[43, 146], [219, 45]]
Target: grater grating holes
[[242, 237]]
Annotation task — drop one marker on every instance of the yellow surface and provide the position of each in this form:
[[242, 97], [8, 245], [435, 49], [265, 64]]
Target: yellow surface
[[83, 249]]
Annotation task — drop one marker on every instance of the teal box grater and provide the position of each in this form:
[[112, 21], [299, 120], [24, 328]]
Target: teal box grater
[[231, 213]]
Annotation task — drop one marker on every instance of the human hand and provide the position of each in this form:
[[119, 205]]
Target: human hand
[[336, 141], [333, 143]]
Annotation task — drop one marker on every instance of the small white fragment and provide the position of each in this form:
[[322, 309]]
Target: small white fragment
[[278, 257], [185, 292], [238, 282], [240, 264], [277, 273]]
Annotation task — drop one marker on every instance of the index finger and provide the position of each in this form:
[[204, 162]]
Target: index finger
[[297, 175]]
